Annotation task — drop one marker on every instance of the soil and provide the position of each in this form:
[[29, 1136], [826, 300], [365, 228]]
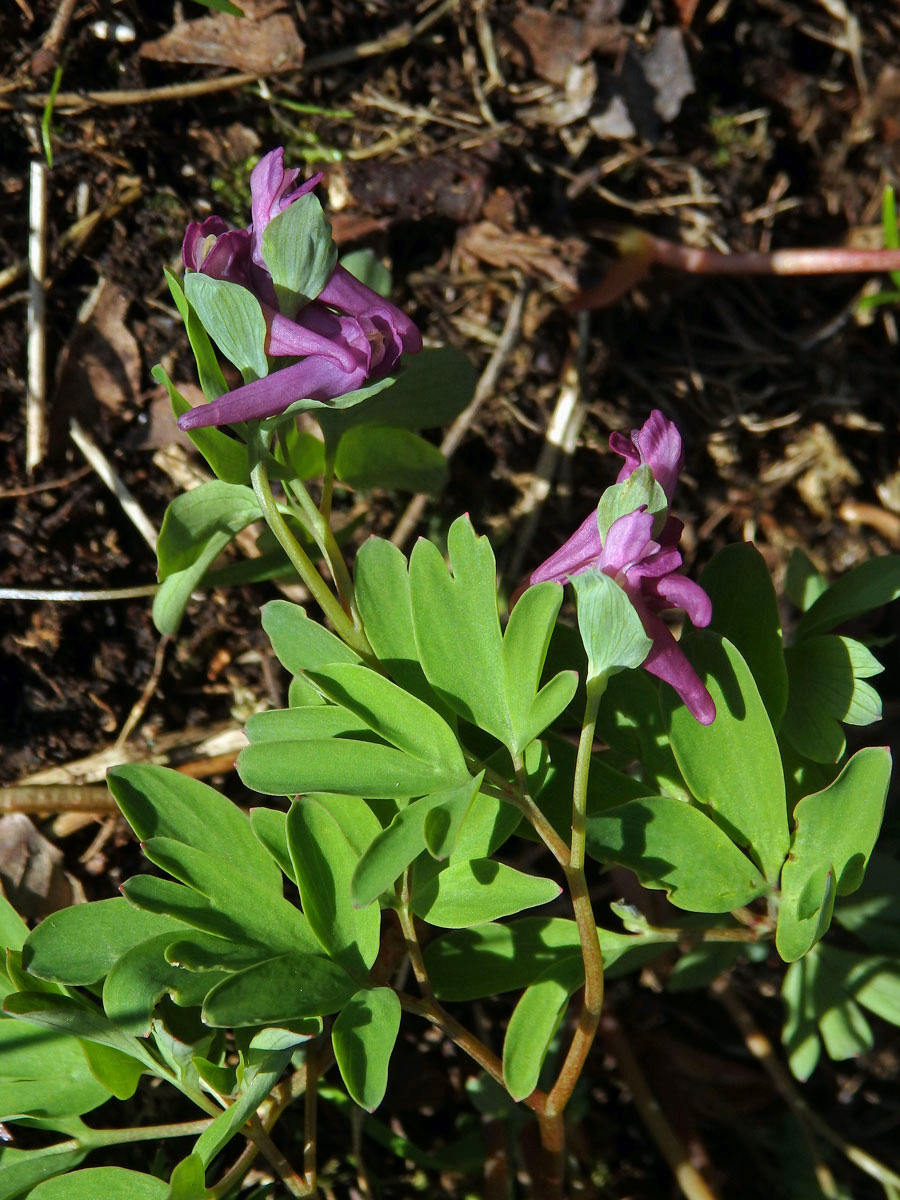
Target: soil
[[492, 152]]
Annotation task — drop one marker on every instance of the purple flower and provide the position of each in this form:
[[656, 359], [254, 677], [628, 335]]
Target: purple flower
[[346, 337], [644, 566]]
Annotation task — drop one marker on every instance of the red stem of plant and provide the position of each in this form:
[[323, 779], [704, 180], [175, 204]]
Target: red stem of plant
[[640, 251]]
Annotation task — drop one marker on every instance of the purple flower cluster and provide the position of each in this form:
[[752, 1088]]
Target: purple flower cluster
[[346, 336], [644, 566]]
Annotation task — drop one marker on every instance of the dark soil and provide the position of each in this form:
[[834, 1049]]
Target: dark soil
[[786, 395]]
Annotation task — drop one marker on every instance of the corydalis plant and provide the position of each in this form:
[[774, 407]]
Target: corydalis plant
[[633, 540], [424, 750], [276, 291]]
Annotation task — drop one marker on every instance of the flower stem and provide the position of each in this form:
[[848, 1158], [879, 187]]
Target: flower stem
[[589, 1018], [299, 559], [322, 532]]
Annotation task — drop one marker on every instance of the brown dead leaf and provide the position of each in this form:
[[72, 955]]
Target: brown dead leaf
[[259, 41], [555, 42], [31, 872], [105, 361], [532, 253]]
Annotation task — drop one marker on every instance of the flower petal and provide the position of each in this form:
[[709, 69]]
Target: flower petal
[[628, 541], [315, 378], [345, 293], [318, 332], [581, 551], [270, 194], [658, 445], [676, 591], [668, 662]]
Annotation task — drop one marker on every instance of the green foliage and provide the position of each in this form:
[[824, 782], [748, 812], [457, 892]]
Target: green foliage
[[834, 834], [389, 457], [197, 527], [732, 766], [112, 1183], [745, 611], [827, 687], [610, 627], [483, 684], [231, 315], [299, 252], [363, 1037]]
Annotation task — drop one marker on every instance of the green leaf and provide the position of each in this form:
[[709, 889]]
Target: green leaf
[[826, 688], [431, 389], [670, 844], [80, 945], [868, 586], [44, 1074], [110, 1183], [223, 6], [324, 862], [212, 381], [395, 716], [382, 595], [610, 627], [188, 1180], [207, 953], [835, 833], [525, 644], [307, 723], [280, 989], [268, 828], [66, 1015], [368, 269], [21, 1170], [363, 1037], [159, 802], [387, 456], [226, 456], [531, 1027], [195, 516], [339, 765], [165, 898], [300, 253], [803, 582], [257, 913], [874, 912], [733, 765], [301, 644], [258, 1083], [490, 959], [197, 527], [405, 838], [639, 490], [13, 930], [140, 979], [232, 317], [745, 610], [118, 1072], [457, 628], [476, 890]]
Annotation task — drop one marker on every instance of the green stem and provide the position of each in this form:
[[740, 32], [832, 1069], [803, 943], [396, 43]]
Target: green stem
[[321, 530], [146, 1133], [328, 480], [589, 1018], [504, 790], [299, 559]]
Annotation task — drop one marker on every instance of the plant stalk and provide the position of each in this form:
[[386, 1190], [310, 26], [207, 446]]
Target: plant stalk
[[589, 1018], [299, 559]]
